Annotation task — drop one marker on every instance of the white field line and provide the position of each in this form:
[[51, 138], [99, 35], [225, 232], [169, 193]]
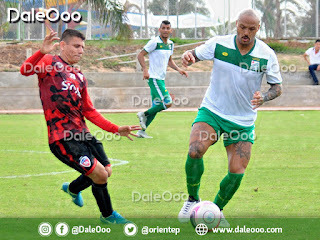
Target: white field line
[[118, 162]]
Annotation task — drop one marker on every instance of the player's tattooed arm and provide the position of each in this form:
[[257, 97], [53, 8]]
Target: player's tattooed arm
[[195, 55], [274, 92], [260, 98]]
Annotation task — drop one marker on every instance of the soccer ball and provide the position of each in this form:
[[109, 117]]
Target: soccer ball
[[207, 213]]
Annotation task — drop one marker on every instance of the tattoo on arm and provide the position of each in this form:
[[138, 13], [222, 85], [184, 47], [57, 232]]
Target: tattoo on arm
[[195, 55], [274, 92]]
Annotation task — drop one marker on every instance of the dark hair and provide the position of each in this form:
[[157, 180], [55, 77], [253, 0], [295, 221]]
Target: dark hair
[[318, 40], [68, 33], [165, 22]]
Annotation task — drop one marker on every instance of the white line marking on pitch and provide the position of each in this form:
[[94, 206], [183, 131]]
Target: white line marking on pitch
[[118, 163]]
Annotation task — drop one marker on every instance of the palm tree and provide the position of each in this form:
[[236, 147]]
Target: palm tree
[[272, 15], [110, 12], [308, 26], [146, 18], [267, 19]]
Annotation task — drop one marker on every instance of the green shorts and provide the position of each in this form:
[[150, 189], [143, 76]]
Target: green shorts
[[232, 133], [159, 93]]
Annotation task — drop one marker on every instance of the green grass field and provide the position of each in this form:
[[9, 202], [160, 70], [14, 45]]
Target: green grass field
[[284, 169]]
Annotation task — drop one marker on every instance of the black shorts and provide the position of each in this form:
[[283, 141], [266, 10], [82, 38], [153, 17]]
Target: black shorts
[[81, 155]]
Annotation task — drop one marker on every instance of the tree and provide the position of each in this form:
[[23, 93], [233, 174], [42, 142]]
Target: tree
[[222, 28], [159, 7], [267, 18], [273, 12], [308, 26], [110, 12]]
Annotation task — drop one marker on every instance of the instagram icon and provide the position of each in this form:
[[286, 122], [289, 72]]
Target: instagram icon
[[45, 229]]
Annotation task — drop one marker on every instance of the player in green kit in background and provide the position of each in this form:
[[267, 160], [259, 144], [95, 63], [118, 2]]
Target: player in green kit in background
[[160, 50], [229, 105]]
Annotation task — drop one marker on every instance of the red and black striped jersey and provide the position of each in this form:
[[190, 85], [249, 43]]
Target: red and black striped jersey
[[64, 97]]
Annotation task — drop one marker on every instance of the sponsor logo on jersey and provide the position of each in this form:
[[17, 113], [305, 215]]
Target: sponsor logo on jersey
[[255, 65], [73, 76], [225, 54], [85, 161], [68, 85]]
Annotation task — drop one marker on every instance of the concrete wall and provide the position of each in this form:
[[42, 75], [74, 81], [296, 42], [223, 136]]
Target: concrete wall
[[128, 90]]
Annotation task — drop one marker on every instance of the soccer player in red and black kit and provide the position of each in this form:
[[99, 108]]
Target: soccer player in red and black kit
[[66, 103]]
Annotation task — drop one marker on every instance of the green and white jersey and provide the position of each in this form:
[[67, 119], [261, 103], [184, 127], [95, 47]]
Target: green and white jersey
[[235, 77], [159, 54]]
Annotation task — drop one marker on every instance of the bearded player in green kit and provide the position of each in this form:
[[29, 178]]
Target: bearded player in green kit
[[160, 50], [229, 106]]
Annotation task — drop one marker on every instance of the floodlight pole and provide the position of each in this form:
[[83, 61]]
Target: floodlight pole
[[66, 6], [141, 19], [89, 20], [177, 12], [229, 23], [168, 10], [195, 21], [317, 18], [43, 25], [19, 24], [224, 17], [285, 18]]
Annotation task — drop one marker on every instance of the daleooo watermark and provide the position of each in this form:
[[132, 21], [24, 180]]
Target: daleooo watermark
[[234, 135], [58, 67], [87, 136], [166, 196], [272, 68], [52, 15], [146, 101]]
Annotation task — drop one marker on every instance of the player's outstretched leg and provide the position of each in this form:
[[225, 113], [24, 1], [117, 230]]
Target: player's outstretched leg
[[161, 100], [75, 187], [142, 119], [199, 143], [238, 158], [76, 198], [99, 177], [108, 215], [142, 133]]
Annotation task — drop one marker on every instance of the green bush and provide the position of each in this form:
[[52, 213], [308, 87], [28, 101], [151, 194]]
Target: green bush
[[279, 47]]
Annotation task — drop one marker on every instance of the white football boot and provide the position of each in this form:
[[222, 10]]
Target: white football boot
[[223, 222], [184, 214], [142, 120], [143, 134]]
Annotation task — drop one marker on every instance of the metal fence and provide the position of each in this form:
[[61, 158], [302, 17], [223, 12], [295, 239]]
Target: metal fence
[[189, 18]]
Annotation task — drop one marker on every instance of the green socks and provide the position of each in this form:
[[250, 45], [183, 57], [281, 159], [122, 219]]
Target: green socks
[[194, 171], [155, 109], [228, 186], [152, 112], [150, 119]]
